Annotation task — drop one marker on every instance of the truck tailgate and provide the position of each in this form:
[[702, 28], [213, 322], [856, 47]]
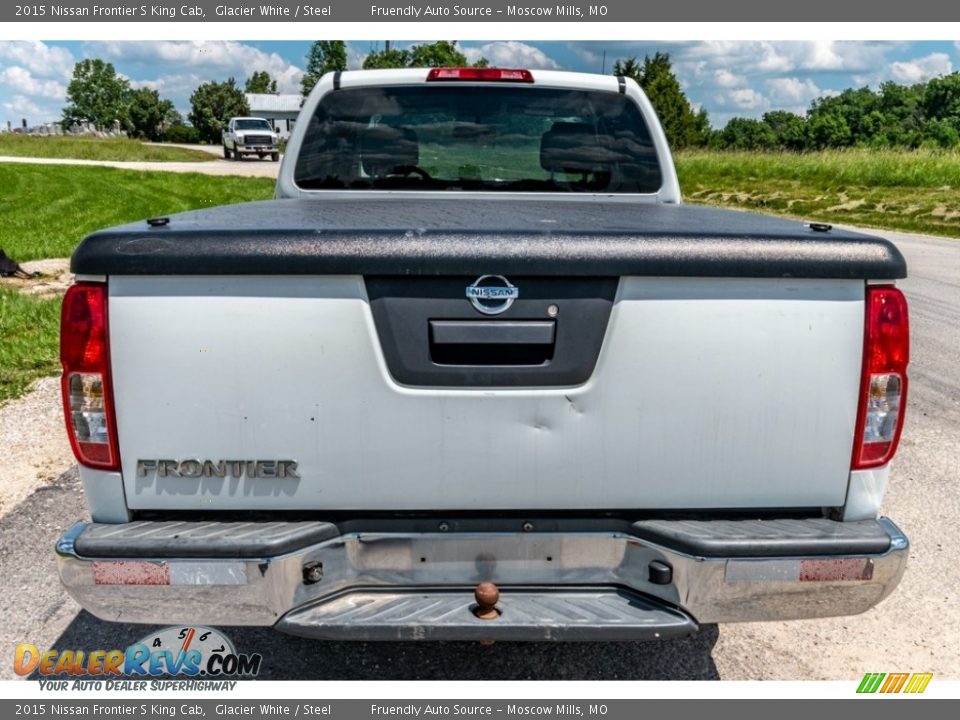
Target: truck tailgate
[[707, 392]]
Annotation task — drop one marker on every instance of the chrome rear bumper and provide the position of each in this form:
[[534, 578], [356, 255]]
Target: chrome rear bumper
[[570, 585]]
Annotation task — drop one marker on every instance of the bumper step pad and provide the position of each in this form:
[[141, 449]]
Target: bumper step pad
[[525, 615], [767, 538], [179, 539]]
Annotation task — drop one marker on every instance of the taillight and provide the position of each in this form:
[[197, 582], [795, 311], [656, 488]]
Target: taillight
[[84, 354], [480, 74], [883, 387]]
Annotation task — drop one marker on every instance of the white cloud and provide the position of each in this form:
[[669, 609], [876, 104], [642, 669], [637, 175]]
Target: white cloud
[[793, 91], [848, 57], [177, 87], [731, 57], [209, 60], [725, 78], [510, 53], [40, 59], [748, 99], [749, 78], [828, 55], [921, 69], [186, 65], [20, 106], [592, 58], [21, 81], [769, 59], [777, 58]]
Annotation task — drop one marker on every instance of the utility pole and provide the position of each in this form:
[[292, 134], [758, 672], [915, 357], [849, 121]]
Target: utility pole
[[603, 67]]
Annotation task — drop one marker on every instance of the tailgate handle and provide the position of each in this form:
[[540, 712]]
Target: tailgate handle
[[497, 332]]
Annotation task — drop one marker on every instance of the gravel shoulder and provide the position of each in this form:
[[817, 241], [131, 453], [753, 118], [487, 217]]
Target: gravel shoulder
[[244, 168], [34, 442], [211, 149]]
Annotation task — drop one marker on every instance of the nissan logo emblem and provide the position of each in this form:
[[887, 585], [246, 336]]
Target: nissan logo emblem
[[492, 294]]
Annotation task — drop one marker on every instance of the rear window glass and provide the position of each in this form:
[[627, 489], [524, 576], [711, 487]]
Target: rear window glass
[[470, 137]]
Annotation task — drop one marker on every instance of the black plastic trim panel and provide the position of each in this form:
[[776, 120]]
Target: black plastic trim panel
[[505, 236], [405, 310], [494, 332], [766, 538], [783, 537], [145, 539]]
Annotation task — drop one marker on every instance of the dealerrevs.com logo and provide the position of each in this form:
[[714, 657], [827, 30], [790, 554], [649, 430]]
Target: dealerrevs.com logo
[[192, 652]]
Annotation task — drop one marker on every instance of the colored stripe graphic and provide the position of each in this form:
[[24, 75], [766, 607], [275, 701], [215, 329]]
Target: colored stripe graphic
[[893, 683], [871, 682], [918, 682]]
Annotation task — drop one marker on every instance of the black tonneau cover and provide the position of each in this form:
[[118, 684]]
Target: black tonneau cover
[[468, 236]]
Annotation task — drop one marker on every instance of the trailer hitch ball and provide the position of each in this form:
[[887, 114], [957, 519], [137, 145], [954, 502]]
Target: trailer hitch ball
[[312, 573], [487, 596]]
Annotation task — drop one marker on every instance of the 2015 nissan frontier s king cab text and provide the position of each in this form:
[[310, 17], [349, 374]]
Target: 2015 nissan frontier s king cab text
[[477, 346]]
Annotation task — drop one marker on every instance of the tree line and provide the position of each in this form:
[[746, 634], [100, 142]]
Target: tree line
[[100, 97], [924, 114], [331, 55]]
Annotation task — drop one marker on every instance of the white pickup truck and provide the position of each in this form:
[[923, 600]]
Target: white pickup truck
[[250, 136], [477, 373]]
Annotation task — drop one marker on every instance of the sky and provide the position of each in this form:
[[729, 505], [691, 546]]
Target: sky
[[729, 79]]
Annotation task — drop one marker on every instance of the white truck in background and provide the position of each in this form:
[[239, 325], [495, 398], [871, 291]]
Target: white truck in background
[[477, 373], [250, 136]]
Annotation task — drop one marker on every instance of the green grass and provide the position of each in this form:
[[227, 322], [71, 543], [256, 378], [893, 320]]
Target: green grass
[[29, 336], [91, 148], [45, 210], [915, 191]]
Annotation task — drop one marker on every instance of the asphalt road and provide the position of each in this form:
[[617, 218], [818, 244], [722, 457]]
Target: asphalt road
[[917, 629]]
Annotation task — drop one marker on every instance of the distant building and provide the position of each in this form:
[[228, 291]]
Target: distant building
[[280, 110]]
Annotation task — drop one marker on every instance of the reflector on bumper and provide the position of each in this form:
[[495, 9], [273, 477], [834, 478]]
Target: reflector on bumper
[[137, 572], [130, 572]]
